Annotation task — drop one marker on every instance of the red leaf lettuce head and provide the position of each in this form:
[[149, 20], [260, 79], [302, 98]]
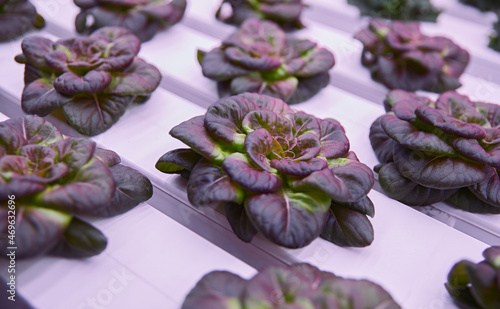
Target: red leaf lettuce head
[[476, 285], [18, 17], [422, 10], [144, 18], [277, 171], [285, 13], [296, 286], [259, 57], [447, 150], [399, 56], [92, 79], [47, 180]]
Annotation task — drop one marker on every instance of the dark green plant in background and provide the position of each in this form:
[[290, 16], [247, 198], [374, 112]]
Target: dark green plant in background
[[421, 10], [279, 172], [18, 17], [495, 36], [483, 5], [48, 180], [476, 286], [300, 286], [260, 57], [447, 150], [285, 13]]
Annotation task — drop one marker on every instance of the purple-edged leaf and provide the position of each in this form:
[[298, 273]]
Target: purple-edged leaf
[[92, 115], [216, 290], [410, 137], [464, 199], [317, 61], [259, 144], [209, 186], [268, 103], [334, 142], [34, 50], [80, 240], [409, 192], [492, 256], [449, 124], [279, 287], [240, 170], [109, 157], [364, 206], [359, 294], [215, 66], [138, 78], [304, 123], [17, 186], [488, 190], [308, 146], [39, 131], [223, 119], [484, 284], [239, 221], [40, 98], [38, 230], [472, 149], [57, 59], [410, 99], [283, 89], [381, 143], [437, 172], [308, 87], [70, 84], [244, 83], [75, 152], [405, 109], [92, 188], [132, 188], [288, 218], [11, 136], [460, 107], [347, 228], [490, 111], [277, 125], [344, 184], [301, 169], [248, 61], [123, 46], [178, 161], [192, 133]]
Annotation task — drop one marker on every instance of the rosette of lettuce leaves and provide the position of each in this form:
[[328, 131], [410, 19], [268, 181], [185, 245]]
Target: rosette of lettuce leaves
[[144, 18], [447, 150], [260, 57], [92, 79], [285, 13], [18, 17], [277, 171], [422, 10], [300, 286], [476, 286], [48, 180], [483, 5], [399, 56]]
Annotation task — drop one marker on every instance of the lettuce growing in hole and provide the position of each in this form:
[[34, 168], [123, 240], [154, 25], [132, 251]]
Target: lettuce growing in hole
[[476, 285], [92, 79], [285, 13], [483, 5], [296, 286], [54, 179], [398, 9], [16, 18], [399, 56], [277, 171], [261, 58], [144, 18], [448, 150]]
